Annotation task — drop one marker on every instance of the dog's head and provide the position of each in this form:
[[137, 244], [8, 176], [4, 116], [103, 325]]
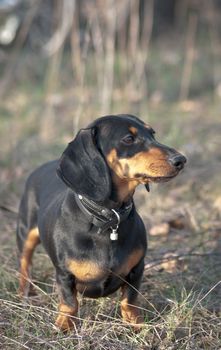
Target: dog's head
[[117, 150]]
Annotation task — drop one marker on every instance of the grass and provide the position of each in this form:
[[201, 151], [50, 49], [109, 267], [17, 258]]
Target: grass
[[180, 295], [175, 319]]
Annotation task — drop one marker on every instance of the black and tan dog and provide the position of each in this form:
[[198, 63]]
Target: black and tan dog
[[85, 217]]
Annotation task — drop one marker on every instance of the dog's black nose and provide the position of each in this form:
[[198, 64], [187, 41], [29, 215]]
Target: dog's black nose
[[177, 160]]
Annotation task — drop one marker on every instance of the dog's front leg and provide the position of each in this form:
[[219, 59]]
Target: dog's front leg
[[68, 306], [129, 309]]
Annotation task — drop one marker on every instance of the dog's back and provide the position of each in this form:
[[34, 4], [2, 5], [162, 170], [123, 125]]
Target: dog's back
[[42, 188]]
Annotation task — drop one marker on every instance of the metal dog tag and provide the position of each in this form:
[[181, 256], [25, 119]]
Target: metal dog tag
[[114, 234]]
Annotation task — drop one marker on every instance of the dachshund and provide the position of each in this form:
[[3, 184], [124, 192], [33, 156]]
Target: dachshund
[[81, 209]]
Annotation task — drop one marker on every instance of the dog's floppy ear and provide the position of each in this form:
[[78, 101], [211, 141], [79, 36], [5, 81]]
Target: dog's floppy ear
[[83, 168]]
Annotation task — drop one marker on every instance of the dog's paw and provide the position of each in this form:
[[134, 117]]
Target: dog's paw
[[64, 323], [132, 315]]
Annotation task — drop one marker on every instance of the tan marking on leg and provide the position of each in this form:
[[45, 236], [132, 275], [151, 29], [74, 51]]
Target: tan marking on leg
[[131, 312], [64, 320], [31, 242], [131, 261]]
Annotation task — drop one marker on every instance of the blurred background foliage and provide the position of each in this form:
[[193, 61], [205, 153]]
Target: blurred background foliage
[[66, 62]]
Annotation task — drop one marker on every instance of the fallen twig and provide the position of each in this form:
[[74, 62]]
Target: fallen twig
[[157, 262]]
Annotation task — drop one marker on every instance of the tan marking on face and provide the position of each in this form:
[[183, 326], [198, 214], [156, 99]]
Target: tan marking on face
[[132, 260], [124, 187], [133, 130], [31, 242], [152, 163], [85, 270]]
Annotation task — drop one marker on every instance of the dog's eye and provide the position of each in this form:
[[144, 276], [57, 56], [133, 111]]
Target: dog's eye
[[129, 139]]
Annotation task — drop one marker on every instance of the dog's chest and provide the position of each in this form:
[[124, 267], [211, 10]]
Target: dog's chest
[[99, 265], [86, 270]]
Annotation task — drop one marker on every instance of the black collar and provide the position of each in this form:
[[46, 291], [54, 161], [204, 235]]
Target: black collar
[[102, 217]]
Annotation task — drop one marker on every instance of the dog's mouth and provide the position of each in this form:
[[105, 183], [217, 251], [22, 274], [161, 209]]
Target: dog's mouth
[[159, 179], [145, 179]]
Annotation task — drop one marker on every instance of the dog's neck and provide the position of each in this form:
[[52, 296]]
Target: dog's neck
[[122, 189], [121, 194]]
